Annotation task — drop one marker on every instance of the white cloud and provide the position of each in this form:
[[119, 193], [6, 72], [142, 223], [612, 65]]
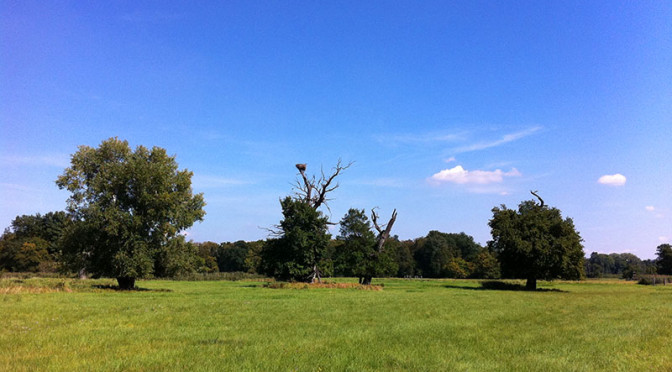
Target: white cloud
[[664, 239], [450, 159], [650, 208], [612, 179], [505, 139], [462, 176]]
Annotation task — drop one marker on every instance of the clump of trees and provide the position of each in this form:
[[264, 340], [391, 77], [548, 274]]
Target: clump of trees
[[617, 265], [127, 209], [31, 243]]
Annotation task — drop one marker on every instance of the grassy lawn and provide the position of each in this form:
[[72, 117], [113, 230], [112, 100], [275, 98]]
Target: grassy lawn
[[423, 325]]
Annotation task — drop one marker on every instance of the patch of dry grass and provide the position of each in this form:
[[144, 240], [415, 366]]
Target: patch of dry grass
[[282, 285]]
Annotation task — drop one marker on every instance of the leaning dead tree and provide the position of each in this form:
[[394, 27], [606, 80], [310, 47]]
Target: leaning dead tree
[[378, 249], [383, 234], [314, 190], [541, 201]]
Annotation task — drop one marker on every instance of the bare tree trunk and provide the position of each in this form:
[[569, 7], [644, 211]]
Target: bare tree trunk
[[531, 284], [126, 282], [382, 234]]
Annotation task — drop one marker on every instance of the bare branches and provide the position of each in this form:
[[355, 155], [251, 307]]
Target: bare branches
[[538, 197], [383, 234], [314, 191]]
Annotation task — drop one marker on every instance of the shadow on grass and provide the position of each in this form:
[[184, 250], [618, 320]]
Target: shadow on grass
[[136, 289], [496, 285]]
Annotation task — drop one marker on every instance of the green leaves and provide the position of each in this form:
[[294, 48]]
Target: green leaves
[[133, 202], [534, 242]]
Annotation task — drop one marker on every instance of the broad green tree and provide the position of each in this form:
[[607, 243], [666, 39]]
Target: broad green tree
[[129, 206], [299, 250], [360, 254], [664, 259], [535, 242]]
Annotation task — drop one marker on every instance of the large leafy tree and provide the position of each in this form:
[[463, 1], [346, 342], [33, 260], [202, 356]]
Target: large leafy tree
[[129, 207], [299, 250], [664, 259], [535, 242]]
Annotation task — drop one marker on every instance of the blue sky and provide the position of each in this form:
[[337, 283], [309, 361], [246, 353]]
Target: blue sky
[[448, 108]]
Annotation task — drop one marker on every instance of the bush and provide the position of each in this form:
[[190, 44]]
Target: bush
[[655, 280]]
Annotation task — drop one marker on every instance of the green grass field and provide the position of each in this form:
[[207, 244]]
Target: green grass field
[[416, 325]]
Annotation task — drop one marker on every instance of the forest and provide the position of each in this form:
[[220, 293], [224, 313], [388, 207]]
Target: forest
[[128, 209]]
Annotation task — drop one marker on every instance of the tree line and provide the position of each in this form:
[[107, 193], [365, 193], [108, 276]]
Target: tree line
[[127, 209], [33, 243]]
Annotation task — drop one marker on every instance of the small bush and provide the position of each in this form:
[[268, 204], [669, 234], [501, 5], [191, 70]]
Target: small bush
[[655, 280]]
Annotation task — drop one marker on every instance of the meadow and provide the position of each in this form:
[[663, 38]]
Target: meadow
[[411, 325]]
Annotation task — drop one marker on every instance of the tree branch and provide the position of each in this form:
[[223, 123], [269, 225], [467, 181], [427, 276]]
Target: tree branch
[[538, 197], [383, 235]]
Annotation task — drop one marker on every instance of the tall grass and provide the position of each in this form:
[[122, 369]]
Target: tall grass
[[417, 325]]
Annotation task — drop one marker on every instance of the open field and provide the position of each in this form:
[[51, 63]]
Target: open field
[[423, 325]]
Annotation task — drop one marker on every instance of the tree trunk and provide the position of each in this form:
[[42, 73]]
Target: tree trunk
[[531, 284], [366, 280], [126, 283]]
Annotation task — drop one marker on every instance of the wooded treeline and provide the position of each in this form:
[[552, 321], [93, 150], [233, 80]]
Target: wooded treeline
[[128, 209], [33, 243]]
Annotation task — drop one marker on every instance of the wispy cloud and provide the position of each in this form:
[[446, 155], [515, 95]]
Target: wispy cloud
[[498, 142], [612, 179], [420, 138], [650, 208], [461, 176], [57, 160]]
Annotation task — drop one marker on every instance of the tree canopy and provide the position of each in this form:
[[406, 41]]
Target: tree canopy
[[299, 251], [359, 255], [535, 242], [128, 206], [664, 259]]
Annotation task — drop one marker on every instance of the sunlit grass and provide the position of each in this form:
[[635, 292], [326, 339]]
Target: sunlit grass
[[424, 325]]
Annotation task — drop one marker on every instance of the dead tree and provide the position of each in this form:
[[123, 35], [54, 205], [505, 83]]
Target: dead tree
[[541, 201], [313, 190], [383, 235]]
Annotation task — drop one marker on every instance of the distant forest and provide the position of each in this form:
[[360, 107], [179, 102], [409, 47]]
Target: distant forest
[[34, 243]]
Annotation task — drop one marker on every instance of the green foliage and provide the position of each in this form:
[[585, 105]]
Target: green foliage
[[129, 205], [24, 254], [405, 262], [32, 242], [534, 242], [485, 266], [664, 259], [232, 256], [625, 265], [301, 244], [441, 255], [358, 255]]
